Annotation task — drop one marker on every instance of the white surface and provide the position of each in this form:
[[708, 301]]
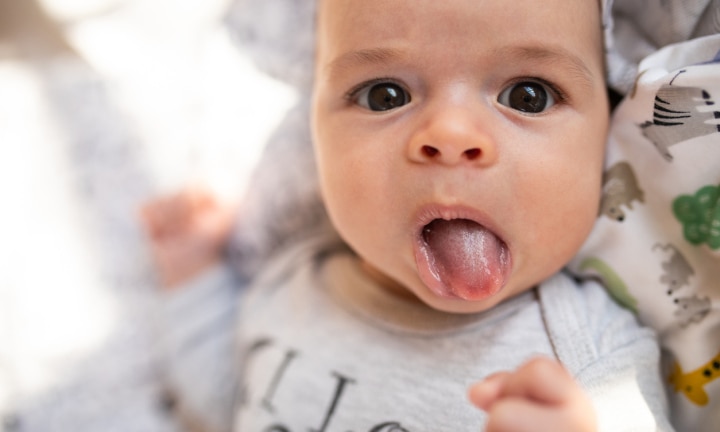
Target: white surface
[[164, 100]]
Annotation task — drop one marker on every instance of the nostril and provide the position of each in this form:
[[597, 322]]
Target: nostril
[[430, 151], [472, 153]]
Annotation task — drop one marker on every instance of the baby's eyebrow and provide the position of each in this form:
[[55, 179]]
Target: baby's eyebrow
[[556, 55], [363, 57], [575, 66]]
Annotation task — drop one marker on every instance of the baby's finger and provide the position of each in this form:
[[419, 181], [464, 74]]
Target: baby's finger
[[541, 380], [167, 215], [151, 215], [521, 415], [484, 393]]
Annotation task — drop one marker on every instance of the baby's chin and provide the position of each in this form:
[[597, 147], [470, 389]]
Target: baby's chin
[[460, 306]]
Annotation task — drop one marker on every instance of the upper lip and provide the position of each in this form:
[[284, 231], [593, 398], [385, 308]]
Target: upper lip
[[429, 212]]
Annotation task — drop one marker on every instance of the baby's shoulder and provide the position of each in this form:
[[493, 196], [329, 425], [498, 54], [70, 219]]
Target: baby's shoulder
[[580, 313]]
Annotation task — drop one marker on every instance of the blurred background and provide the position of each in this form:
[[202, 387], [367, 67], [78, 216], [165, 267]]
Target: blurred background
[[104, 105]]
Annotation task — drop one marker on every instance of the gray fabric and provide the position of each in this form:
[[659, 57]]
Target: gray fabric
[[616, 361], [640, 27], [199, 353]]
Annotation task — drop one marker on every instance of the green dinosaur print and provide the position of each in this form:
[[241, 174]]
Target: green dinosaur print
[[613, 283], [700, 216]]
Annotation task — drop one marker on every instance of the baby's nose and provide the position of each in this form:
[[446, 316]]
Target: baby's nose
[[451, 156], [452, 137]]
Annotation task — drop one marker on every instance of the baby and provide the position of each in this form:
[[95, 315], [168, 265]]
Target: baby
[[460, 153]]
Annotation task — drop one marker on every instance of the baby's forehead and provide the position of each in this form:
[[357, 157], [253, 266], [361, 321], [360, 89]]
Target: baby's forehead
[[280, 36], [346, 26]]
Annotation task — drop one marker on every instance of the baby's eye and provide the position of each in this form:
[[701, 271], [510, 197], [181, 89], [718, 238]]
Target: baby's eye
[[527, 96], [382, 96]]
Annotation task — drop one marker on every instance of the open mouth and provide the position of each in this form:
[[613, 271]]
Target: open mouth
[[460, 258]]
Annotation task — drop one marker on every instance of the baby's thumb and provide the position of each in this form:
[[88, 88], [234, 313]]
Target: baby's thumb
[[486, 392]]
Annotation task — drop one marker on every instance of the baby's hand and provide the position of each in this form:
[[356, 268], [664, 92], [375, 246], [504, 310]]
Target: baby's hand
[[539, 396], [188, 232]]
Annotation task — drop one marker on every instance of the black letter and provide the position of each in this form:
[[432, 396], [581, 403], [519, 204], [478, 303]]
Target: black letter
[[266, 400], [336, 397]]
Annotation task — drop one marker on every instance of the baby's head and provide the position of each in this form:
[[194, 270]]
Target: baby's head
[[460, 144]]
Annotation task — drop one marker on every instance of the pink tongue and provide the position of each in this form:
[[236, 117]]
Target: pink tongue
[[470, 261]]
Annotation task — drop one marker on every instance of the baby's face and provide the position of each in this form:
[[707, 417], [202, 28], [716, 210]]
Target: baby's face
[[460, 143]]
